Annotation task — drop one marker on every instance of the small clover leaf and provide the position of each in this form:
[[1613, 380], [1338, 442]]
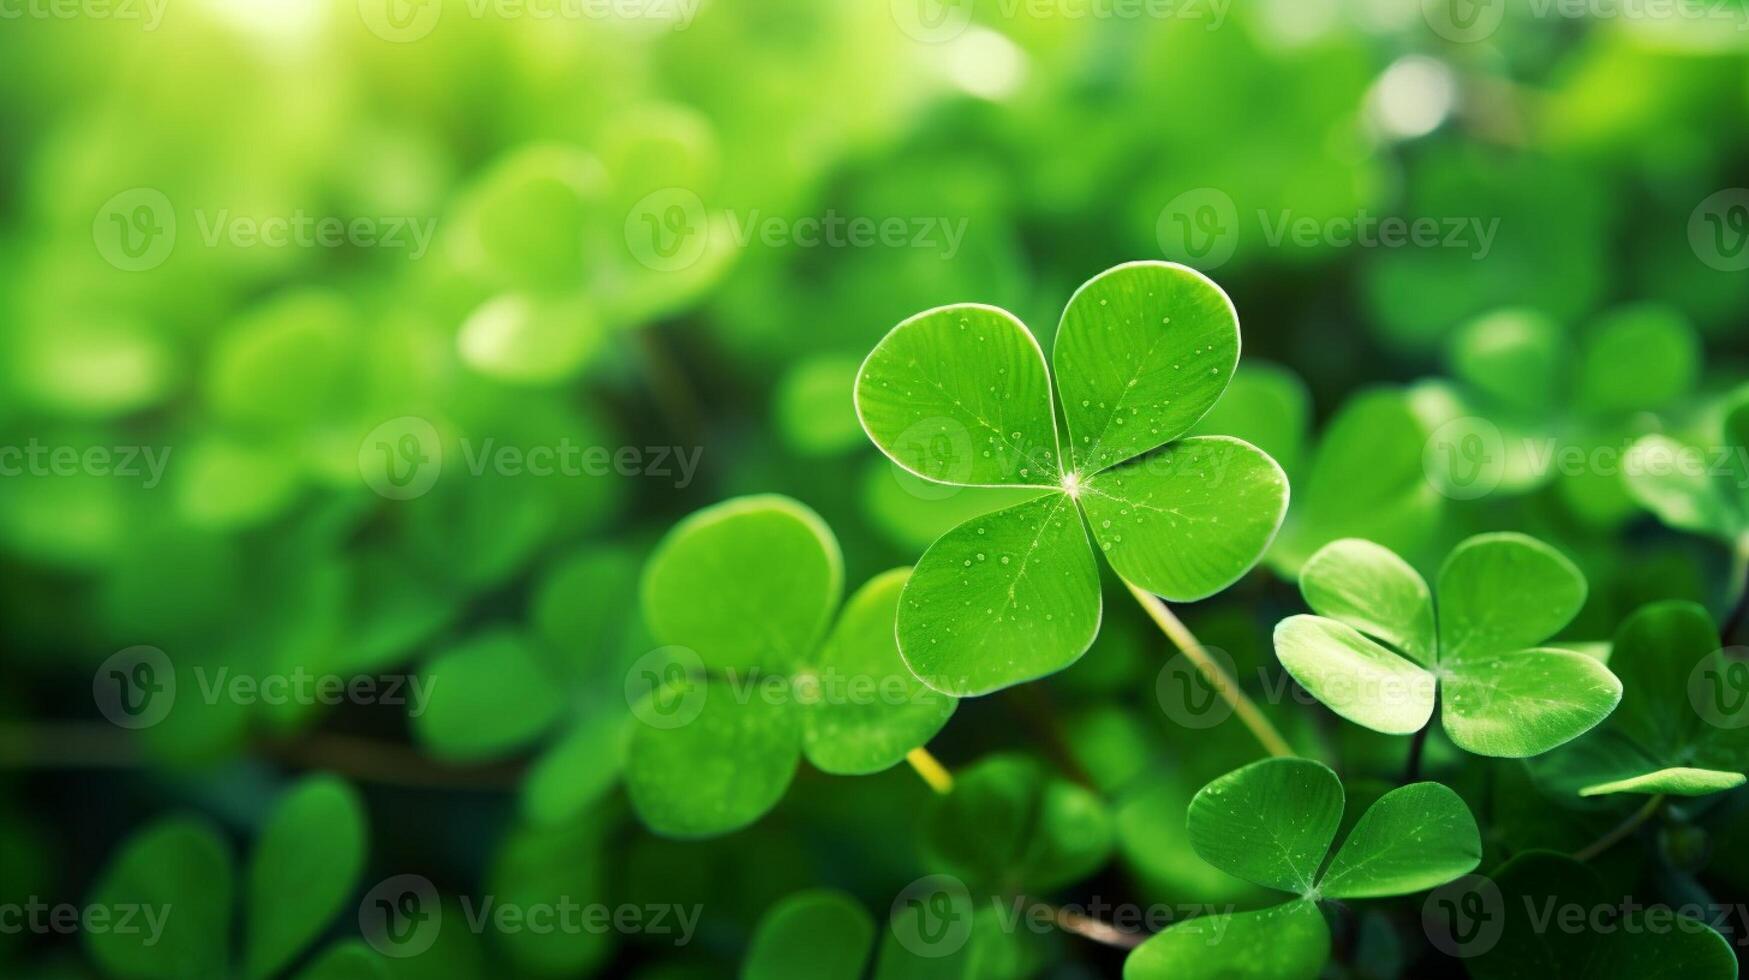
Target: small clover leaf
[[745, 590], [961, 395], [811, 935], [1366, 479], [1660, 740], [1634, 943], [1273, 823], [1009, 825], [934, 933], [1370, 653], [306, 863], [1692, 489]]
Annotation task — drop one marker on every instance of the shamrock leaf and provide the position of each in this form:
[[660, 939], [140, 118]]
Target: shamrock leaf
[[1372, 654], [961, 395], [1692, 489], [755, 681], [306, 864], [1273, 823], [811, 935], [1672, 732], [1009, 825], [1557, 920]]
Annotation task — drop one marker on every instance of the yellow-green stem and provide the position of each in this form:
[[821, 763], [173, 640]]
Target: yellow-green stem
[[1225, 686]]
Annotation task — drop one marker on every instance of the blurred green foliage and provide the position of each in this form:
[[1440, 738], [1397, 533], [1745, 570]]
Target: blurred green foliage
[[382, 341]]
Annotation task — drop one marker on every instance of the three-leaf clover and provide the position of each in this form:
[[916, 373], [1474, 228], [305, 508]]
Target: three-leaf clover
[[742, 593], [1700, 488], [1679, 730], [961, 395], [305, 866], [1273, 823], [1377, 655]]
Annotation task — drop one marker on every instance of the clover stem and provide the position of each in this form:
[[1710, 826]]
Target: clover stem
[[1217, 678], [1621, 830], [931, 769], [1096, 930]]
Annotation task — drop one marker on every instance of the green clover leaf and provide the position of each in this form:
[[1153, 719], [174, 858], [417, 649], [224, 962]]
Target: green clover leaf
[[744, 591], [1009, 825], [1693, 489], [961, 395], [1273, 823], [1372, 655], [1661, 739], [824, 934], [1658, 942], [306, 863]]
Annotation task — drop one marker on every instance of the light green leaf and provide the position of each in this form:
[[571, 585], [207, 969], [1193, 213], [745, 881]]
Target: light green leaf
[[1189, 520], [531, 339], [1679, 781], [1287, 942], [1371, 589], [1517, 357], [487, 697], [350, 960], [812, 935], [576, 771], [1143, 351], [867, 708], [959, 394], [717, 772], [1270, 822], [1354, 676], [180, 872], [306, 863], [1367, 480], [1526, 702], [1002, 599], [1638, 358], [747, 583], [1502, 592], [1009, 825], [815, 407], [1267, 406], [1682, 496], [1414, 838]]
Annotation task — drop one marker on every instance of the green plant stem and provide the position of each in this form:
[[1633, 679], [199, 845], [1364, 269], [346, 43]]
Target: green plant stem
[[1217, 678], [1621, 831]]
